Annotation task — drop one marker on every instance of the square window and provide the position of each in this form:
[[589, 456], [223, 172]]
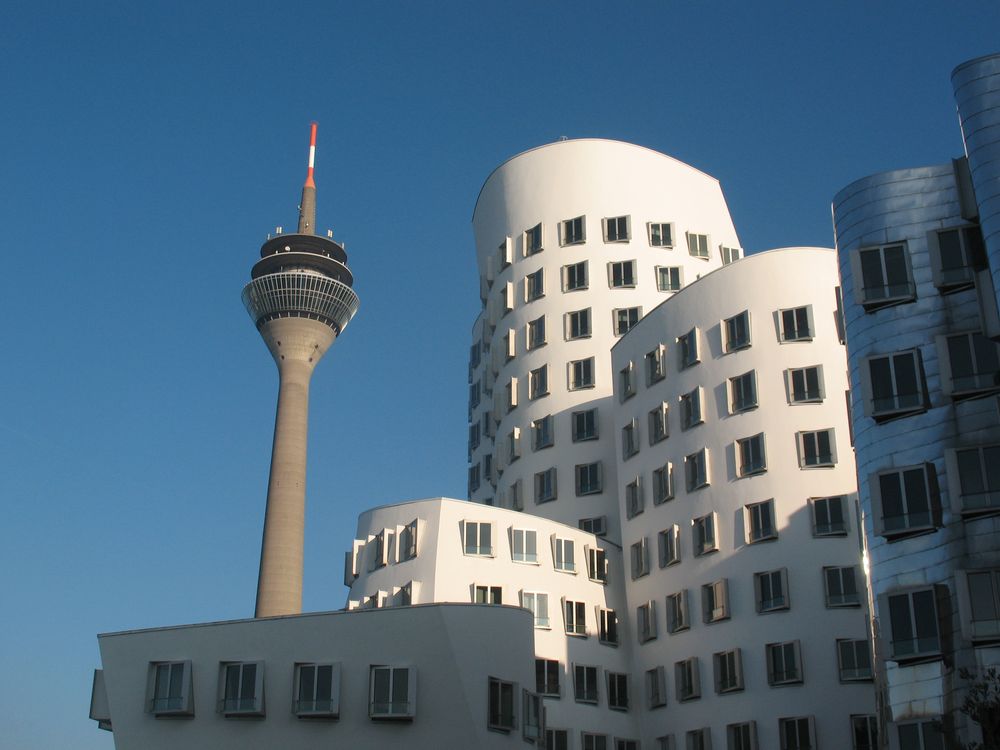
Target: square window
[[625, 319], [896, 385], [759, 519], [913, 620], [741, 736], [729, 254], [698, 245], [728, 668], [317, 690], [626, 381], [669, 278], [669, 543], [677, 612], [392, 692], [688, 347], [696, 470], [736, 331], [751, 455], [905, 501], [688, 679], [854, 660], [533, 240], [588, 479], [594, 741], [545, 486], [645, 622], [970, 364], [478, 536], [828, 516], [656, 688], [572, 231], [797, 733], [743, 392], [542, 433], [771, 590], [698, 739], [663, 483], [841, 587], [483, 594], [501, 698], [534, 285], [536, 333], [578, 324], [640, 559], [564, 555], [805, 384], [538, 382], [584, 425], [796, 323], [621, 274], [617, 692], [715, 601], [574, 276], [538, 605], [784, 663], [864, 733], [524, 545], [584, 683], [607, 626], [169, 690], [597, 562], [661, 234], [885, 276], [617, 229], [635, 502], [547, 674], [658, 425], [956, 255], [576, 618], [630, 440], [817, 448], [691, 413], [581, 374]]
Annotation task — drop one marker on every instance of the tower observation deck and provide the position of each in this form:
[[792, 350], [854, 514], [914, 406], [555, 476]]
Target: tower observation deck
[[300, 298]]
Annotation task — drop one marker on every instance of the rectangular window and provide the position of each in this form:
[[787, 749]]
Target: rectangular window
[[317, 690], [617, 691], [771, 590], [547, 673], [921, 735], [759, 519], [511, 394], [698, 245], [588, 479], [656, 365], [538, 605], [536, 333], [817, 449], [625, 319], [483, 594], [741, 736], [545, 486], [805, 385], [691, 413], [645, 622], [392, 693], [696, 470], [515, 500], [538, 382], [630, 440], [584, 683], [640, 559], [564, 555], [705, 539], [524, 545], [729, 254], [896, 384], [905, 501], [575, 617], [854, 659], [597, 562], [595, 741], [478, 536], [510, 344], [663, 484], [736, 331], [669, 278], [698, 739], [797, 733], [688, 345], [658, 428], [578, 324], [474, 437], [864, 733], [534, 285], [914, 625], [501, 696], [621, 274], [626, 381], [661, 234], [542, 433], [841, 587], [170, 691], [508, 297], [474, 395], [505, 253], [885, 276], [607, 626], [617, 229], [635, 502], [677, 612], [533, 240], [751, 456], [534, 717], [728, 668], [669, 543], [983, 587], [956, 255], [972, 364], [514, 444], [796, 324], [828, 516], [784, 663], [574, 276], [743, 392], [688, 679], [715, 601], [581, 374], [598, 526], [474, 482], [656, 687], [572, 231]]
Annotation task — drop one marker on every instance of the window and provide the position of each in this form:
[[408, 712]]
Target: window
[[656, 687], [545, 486], [698, 739], [677, 612], [621, 274], [392, 692], [626, 381], [688, 344], [575, 276], [796, 324], [663, 484], [538, 382], [729, 254], [547, 672], [854, 659], [635, 502], [508, 297], [584, 425], [737, 331], [696, 470], [817, 449], [597, 562], [538, 605], [542, 433], [743, 392], [506, 253], [584, 683], [885, 276], [243, 688], [630, 440], [921, 735], [487, 594], [645, 622], [534, 717], [841, 587], [759, 518], [956, 254], [640, 559], [588, 479], [474, 395], [515, 500], [905, 501], [169, 691], [511, 394], [750, 453], [715, 601], [533, 240], [595, 741], [625, 319], [474, 437], [607, 626], [783, 663], [576, 617], [971, 364], [317, 690], [728, 667], [669, 543], [691, 409], [771, 590], [698, 245], [501, 715], [563, 555], [581, 374], [578, 324], [474, 482], [514, 444], [669, 278], [524, 545], [705, 540], [914, 624], [534, 285], [741, 736], [618, 229], [661, 234], [536, 332], [617, 691], [896, 385], [864, 733], [828, 516], [478, 537], [983, 588], [572, 231], [805, 384], [797, 733], [687, 678], [666, 742]]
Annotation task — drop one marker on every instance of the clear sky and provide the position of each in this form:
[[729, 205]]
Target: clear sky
[[148, 147]]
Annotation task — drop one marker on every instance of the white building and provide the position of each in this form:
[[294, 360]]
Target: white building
[[920, 308]]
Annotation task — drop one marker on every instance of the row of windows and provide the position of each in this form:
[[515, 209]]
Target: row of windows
[[559, 739], [478, 540], [795, 733], [388, 546]]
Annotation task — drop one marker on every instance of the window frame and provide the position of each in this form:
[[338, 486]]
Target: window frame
[[607, 626], [585, 683], [809, 444], [535, 334], [548, 682], [703, 543], [255, 706], [715, 601], [543, 433], [571, 280], [687, 679], [892, 294], [639, 558], [772, 603], [689, 348], [534, 285], [170, 704], [743, 394], [855, 673], [528, 540], [333, 709], [730, 328], [751, 455], [829, 528], [897, 408], [576, 319], [678, 612], [561, 561], [477, 550], [622, 319], [973, 257], [786, 676], [657, 241], [645, 622], [497, 719], [533, 240], [664, 488], [594, 484], [932, 648], [756, 530], [800, 721], [622, 274], [669, 545], [575, 618], [842, 577], [606, 226], [659, 423], [546, 486], [573, 231], [671, 271], [538, 382], [581, 374], [790, 331], [809, 397], [530, 600], [698, 245], [697, 473], [731, 660], [931, 495], [618, 690], [983, 380], [580, 418], [410, 710]]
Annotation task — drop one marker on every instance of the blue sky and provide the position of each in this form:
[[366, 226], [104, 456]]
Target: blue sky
[[147, 148]]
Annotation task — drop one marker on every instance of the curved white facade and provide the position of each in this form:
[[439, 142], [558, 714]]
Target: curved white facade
[[778, 567]]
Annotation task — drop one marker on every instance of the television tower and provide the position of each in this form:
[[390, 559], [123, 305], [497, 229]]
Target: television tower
[[300, 299]]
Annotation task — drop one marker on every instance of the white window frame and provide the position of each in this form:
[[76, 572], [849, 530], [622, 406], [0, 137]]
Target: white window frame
[[985, 377], [534, 285], [607, 626], [801, 327], [488, 593], [639, 556], [772, 603], [590, 487], [692, 408], [622, 319], [524, 545], [563, 554], [538, 382], [923, 649], [635, 499], [663, 483], [630, 439], [305, 707], [751, 455], [580, 374], [655, 364], [727, 668], [585, 683], [622, 274], [567, 231], [704, 543], [582, 321], [669, 546], [535, 334], [580, 267], [914, 402], [827, 525], [546, 487], [478, 550], [177, 684], [687, 677], [597, 562], [531, 246], [551, 677], [808, 443], [543, 433], [697, 470], [537, 602], [656, 238], [393, 709], [754, 516], [678, 612], [787, 674], [579, 436], [698, 245], [840, 585], [505, 253], [617, 222], [729, 254], [743, 394], [885, 295], [715, 601], [917, 525], [659, 426], [731, 342], [626, 381], [240, 705], [808, 396], [574, 618], [670, 272], [689, 348]]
